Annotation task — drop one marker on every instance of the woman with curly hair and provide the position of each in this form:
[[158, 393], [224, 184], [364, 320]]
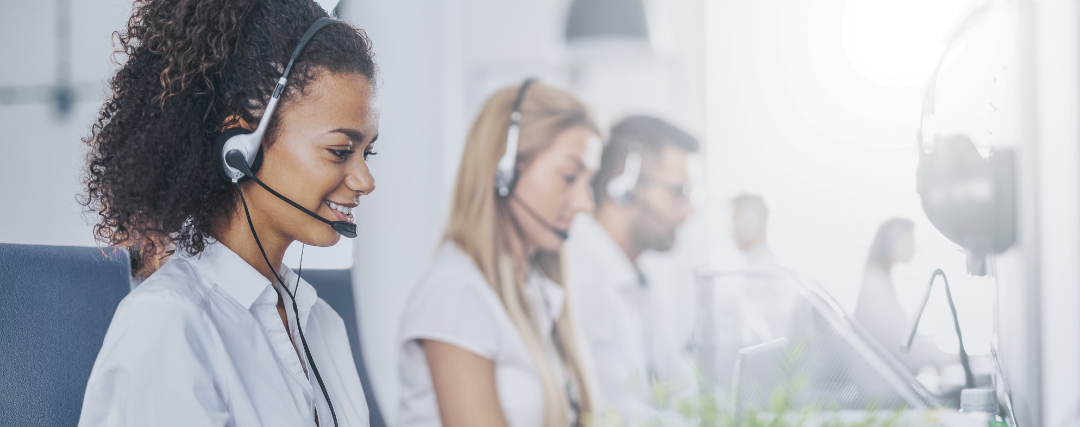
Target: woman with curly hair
[[220, 332]]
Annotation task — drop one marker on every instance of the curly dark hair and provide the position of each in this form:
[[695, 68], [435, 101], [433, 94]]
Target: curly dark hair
[[193, 67]]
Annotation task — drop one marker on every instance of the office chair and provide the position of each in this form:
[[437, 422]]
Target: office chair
[[335, 287], [56, 306]]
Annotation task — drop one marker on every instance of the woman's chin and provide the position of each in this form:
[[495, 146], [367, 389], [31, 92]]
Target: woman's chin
[[327, 238], [549, 244]]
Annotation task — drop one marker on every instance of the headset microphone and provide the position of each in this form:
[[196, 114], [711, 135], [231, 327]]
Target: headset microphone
[[236, 159], [562, 234]]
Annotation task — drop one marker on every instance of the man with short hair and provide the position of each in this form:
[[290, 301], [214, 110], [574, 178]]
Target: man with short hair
[[641, 199]]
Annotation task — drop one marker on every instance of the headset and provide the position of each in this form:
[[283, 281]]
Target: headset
[[968, 198], [239, 156], [505, 180], [621, 187], [239, 150], [506, 174]]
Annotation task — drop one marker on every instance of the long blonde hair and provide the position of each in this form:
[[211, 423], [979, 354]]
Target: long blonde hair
[[477, 227]]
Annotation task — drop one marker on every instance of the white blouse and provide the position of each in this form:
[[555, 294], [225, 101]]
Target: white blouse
[[201, 343], [454, 304]]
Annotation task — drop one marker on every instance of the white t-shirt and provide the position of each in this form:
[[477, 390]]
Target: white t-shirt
[[454, 304], [201, 343]]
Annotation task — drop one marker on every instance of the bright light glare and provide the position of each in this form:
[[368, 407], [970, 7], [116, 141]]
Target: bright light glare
[[896, 43]]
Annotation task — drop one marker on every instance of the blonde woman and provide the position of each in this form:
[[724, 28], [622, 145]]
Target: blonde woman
[[487, 338]]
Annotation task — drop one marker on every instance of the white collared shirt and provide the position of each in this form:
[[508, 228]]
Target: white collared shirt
[[612, 303], [454, 304], [201, 343], [618, 316]]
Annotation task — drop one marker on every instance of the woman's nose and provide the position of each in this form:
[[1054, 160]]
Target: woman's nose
[[581, 199], [359, 178]]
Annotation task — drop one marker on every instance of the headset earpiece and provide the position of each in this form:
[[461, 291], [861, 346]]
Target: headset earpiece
[[506, 173], [247, 142], [620, 188], [219, 153], [968, 198], [506, 170]]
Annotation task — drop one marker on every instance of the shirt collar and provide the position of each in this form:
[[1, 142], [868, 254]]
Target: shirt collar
[[222, 267], [305, 294]]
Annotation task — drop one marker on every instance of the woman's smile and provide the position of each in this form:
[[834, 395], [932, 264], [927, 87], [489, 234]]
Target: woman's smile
[[341, 212]]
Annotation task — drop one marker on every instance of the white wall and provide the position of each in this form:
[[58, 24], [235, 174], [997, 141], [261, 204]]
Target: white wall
[[41, 156], [1038, 280], [1056, 279]]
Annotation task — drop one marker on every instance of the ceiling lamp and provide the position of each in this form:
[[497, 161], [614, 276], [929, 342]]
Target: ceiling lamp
[[591, 20]]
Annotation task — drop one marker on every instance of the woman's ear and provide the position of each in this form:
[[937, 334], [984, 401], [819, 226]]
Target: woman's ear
[[236, 121]]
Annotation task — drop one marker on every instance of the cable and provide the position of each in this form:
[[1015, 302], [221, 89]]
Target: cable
[[553, 229], [556, 338], [1005, 383], [969, 379], [300, 268], [235, 159], [247, 171], [296, 311]]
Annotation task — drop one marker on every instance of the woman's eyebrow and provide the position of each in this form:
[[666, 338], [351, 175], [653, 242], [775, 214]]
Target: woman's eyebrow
[[576, 159], [353, 134]]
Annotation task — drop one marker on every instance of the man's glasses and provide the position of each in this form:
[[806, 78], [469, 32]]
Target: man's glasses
[[679, 192]]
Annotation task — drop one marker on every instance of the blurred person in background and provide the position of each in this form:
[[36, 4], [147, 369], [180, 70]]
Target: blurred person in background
[[486, 337], [878, 307], [749, 225], [207, 338], [753, 304], [642, 199]]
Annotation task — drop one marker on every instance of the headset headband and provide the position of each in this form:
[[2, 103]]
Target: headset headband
[[249, 143], [506, 171]]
